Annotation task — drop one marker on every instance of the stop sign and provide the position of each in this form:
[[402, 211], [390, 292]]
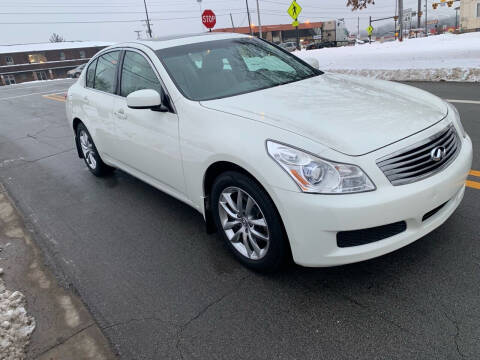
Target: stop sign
[[209, 19]]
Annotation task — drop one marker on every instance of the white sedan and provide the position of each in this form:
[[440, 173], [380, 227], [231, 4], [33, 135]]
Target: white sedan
[[282, 159]]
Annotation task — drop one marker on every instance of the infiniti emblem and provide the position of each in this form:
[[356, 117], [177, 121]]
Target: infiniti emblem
[[438, 153]]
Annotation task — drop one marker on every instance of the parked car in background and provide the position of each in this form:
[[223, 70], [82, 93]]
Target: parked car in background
[[289, 46], [75, 73], [321, 45], [279, 157]]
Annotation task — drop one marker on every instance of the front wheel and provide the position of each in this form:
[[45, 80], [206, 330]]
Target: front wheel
[[248, 221]]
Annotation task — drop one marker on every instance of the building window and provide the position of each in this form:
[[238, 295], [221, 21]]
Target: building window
[[41, 75], [60, 73], [62, 56], [9, 60], [82, 54], [9, 79], [478, 10], [36, 58]]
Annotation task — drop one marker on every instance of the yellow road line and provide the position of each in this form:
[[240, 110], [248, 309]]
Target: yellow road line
[[475, 173], [60, 96], [55, 97], [473, 184]]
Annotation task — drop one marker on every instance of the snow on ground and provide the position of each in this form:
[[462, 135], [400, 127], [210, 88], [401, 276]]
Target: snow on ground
[[443, 57], [16, 325]]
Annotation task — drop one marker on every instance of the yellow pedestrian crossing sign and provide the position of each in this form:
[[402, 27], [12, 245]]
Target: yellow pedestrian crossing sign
[[295, 23], [370, 30], [294, 10]]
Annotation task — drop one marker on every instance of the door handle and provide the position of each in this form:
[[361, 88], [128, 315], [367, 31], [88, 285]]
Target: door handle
[[85, 100], [120, 114]]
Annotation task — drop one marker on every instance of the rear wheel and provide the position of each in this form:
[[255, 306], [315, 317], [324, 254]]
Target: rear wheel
[[90, 153], [248, 221]]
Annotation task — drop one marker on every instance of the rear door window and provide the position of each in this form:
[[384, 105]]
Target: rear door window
[[106, 72]]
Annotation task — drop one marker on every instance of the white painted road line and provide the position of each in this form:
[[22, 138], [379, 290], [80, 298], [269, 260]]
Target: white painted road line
[[464, 101], [4, 89], [39, 93]]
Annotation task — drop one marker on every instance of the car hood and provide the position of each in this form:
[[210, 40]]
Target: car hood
[[352, 115]]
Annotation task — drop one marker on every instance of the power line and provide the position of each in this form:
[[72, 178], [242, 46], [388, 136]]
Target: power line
[[122, 3], [107, 12], [89, 5], [105, 21], [321, 7]]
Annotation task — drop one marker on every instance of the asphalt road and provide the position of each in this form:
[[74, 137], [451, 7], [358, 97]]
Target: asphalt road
[[160, 288]]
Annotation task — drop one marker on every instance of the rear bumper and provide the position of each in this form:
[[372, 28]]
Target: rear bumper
[[313, 221]]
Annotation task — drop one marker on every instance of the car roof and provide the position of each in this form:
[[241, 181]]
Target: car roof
[[158, 43]]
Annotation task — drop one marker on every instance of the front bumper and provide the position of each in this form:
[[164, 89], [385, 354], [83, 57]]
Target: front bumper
[[312, 221]]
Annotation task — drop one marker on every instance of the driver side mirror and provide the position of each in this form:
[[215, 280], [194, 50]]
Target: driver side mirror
[[146, 99], [312, 62]]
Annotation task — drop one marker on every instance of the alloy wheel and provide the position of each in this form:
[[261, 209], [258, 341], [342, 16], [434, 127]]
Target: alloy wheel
[[244, 223], [88, 149]]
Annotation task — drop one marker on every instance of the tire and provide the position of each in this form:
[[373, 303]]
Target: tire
[[269, 255], [90, 153]]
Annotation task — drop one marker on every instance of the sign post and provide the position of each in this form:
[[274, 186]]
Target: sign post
[[294, 10], [369, 32], [209, 19]]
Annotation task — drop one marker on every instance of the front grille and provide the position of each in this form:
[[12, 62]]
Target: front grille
[[415, 162], [429, 214], [367, 236]]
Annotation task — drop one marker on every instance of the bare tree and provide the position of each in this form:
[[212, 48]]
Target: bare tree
[[359, 4], [56, 38]]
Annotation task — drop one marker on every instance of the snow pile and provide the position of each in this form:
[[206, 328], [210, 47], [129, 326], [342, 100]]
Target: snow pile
[[16, 325], [443, 57]]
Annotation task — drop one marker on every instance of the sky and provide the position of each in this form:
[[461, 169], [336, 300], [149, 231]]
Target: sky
[[33, 21]]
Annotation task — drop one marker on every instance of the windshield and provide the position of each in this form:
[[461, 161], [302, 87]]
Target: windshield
[[222, 68]]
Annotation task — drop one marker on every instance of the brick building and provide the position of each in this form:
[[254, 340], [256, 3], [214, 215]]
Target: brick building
[[308, 32], [29, 62], [283, 32]]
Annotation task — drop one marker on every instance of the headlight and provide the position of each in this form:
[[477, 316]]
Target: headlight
[[315, 175], [458, 121]]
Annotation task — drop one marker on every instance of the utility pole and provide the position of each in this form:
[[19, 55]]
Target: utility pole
[[456, 17], [358, 28], [231, 19], [400, 19], [148, 20], [395, 17], [259, 22], [419, 13], [410, 30], [370, 34], [138, 33], [249, 20], [426, 17], [200, 8]]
